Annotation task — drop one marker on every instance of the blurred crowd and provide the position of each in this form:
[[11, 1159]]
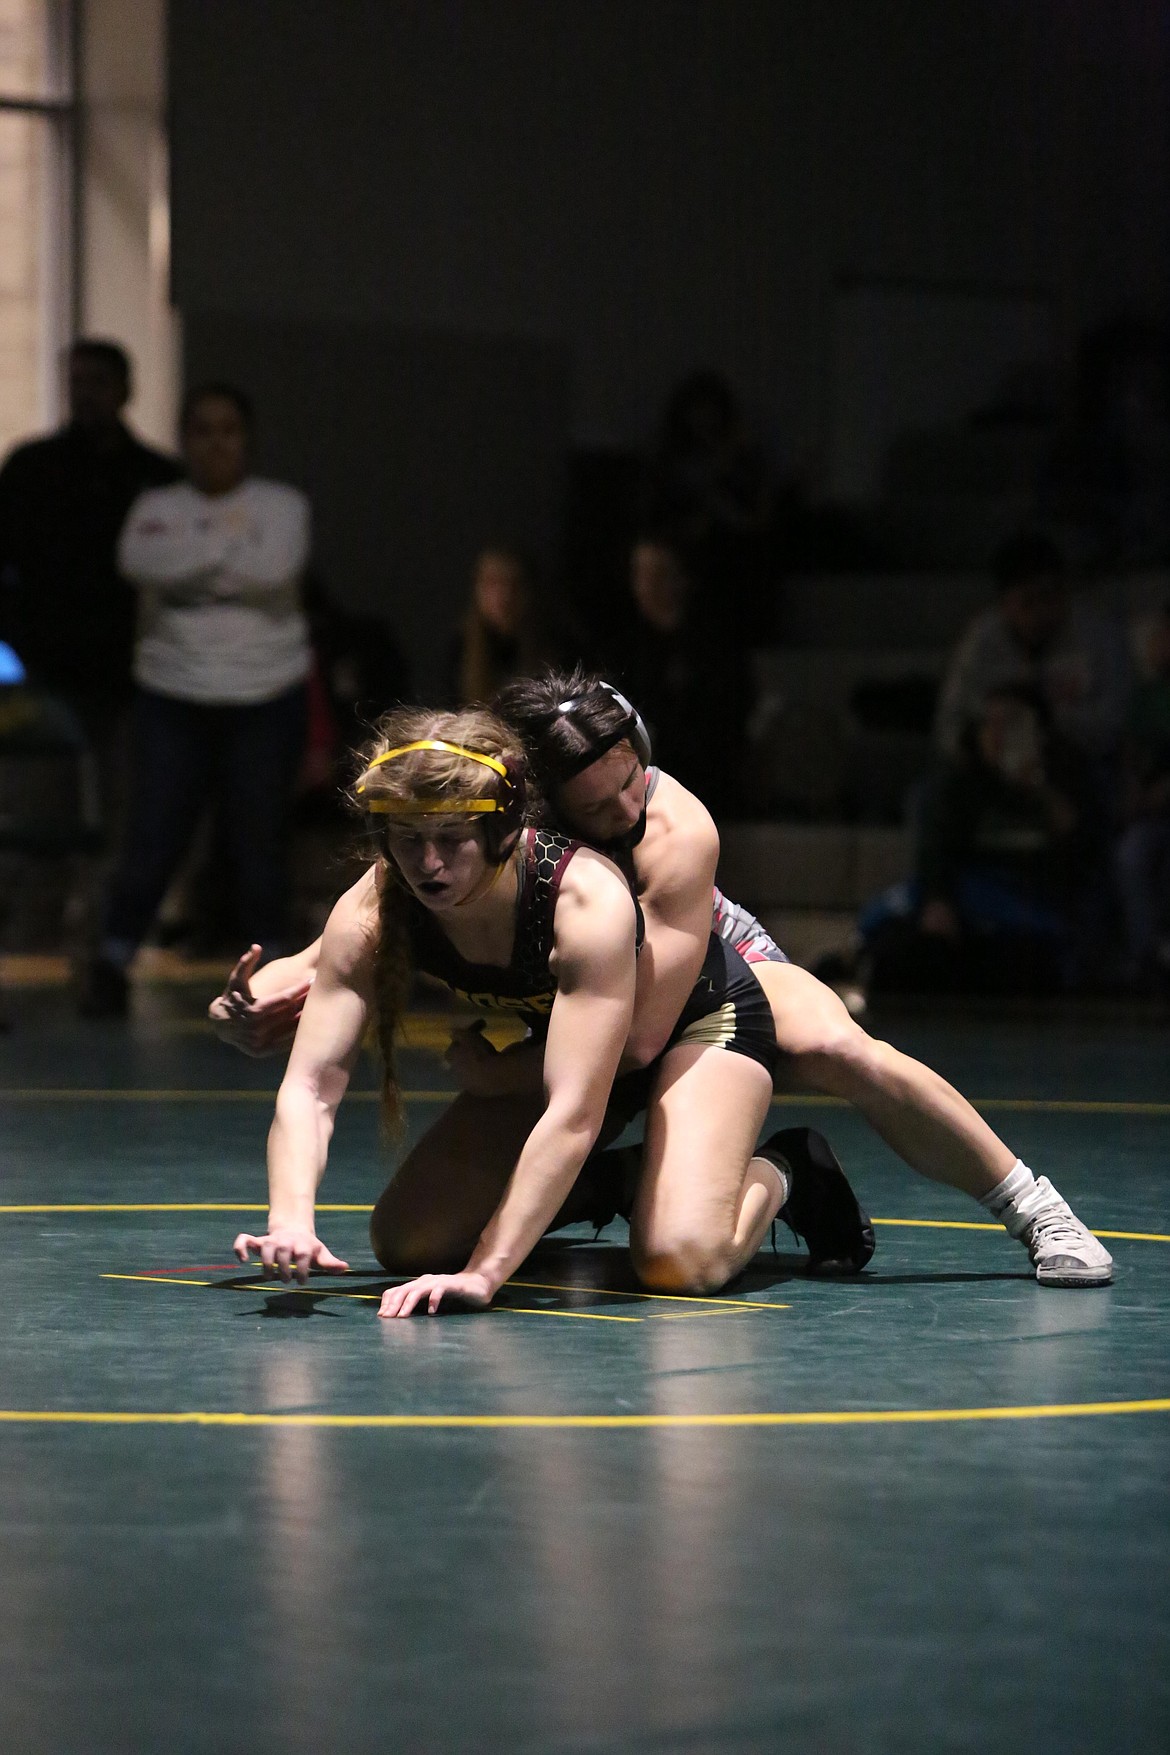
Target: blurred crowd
[[167, 620], [1042, 830]]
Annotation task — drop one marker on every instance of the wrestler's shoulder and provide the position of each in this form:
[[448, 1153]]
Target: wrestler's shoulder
[[353, 919], [679, 829], [591, 874]]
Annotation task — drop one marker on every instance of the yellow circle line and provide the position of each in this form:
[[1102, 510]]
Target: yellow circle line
[[587, 1422], [190, 1206], [977, 1225]]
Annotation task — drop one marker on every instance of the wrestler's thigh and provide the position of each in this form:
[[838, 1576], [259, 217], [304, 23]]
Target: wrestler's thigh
[[808, 1017], [702, 1123], [430, 1215]]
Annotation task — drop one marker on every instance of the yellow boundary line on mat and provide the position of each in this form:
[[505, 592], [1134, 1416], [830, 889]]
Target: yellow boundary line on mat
[[706, 1306], [587, 1422], [72, 1094], [224, 1206]]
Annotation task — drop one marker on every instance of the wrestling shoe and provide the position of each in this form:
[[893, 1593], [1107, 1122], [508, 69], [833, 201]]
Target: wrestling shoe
[[1064, 1252], [821, 1207]]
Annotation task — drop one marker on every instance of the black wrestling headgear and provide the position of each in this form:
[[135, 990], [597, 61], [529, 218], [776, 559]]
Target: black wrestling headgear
[[631, 728]]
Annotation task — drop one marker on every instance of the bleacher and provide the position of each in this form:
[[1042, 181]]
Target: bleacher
[[840, 737]]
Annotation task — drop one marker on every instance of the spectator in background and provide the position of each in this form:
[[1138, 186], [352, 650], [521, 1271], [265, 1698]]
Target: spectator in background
[[1142, 861], [63, 500], [694, 691], [1009, 852], [360, 671], [1075, 659], [708, 484], [220, 667], [500, 638]]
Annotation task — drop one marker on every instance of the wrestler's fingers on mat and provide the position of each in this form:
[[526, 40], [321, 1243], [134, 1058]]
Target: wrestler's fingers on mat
[[332, 1264]]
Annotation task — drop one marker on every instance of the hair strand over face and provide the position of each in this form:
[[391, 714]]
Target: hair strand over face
[[425, 775]]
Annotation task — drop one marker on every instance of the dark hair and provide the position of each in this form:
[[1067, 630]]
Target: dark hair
[[482, 664], [1027, 555], [559, 744], [103, 353], [508, 551], [224, 392]]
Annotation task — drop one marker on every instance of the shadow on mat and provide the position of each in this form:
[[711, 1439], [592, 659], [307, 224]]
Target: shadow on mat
[[562, 1274], [281, 1304]]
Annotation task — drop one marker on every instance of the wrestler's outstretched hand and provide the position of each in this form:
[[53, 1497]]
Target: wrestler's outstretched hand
[[257, 1025], [287, 1250], [473, 1289]]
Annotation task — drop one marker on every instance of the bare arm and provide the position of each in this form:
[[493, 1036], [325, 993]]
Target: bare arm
[[676, 862], [594, 966], [273, 549], [676, 902], [259, 1009], [326, 1046]]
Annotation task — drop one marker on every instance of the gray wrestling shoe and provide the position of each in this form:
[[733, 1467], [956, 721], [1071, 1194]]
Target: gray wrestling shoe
[[821, 1207], [1063, 1251]]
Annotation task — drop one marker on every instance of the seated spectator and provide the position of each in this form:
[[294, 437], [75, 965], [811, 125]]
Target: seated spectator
[[1007, 860], [360, 671], [1075, 659], [707, 482], [1142, 861], [220, 666], [694, 691], [500, 638]]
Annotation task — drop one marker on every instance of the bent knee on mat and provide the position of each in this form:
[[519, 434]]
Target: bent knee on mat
[[682, 1265]]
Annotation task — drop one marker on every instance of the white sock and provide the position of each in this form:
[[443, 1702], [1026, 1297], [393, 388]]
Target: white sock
[[785, 1176], [1017, 1182]]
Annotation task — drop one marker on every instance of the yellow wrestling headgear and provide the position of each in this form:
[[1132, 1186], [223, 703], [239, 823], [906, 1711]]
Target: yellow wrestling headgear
[[413, 807]]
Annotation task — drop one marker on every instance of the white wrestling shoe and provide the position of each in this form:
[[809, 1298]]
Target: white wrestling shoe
[[1063, 1251]]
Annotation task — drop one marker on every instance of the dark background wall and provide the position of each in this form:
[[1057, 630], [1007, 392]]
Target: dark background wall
[[639, 186]]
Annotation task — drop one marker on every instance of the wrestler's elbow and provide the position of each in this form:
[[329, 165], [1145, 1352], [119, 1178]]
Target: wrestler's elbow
[[574, 1119]]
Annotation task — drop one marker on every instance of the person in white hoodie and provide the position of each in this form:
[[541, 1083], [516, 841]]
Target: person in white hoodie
[[220, 667]]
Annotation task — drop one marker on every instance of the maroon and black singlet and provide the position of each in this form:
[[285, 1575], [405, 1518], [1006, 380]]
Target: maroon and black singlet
[[727, 1008], [526, 986]]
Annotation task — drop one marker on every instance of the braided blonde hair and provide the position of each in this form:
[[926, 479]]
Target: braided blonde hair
[[423, 775]]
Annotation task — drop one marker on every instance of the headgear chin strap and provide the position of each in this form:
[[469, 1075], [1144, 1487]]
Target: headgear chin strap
[[632, 729], [509, 810]]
